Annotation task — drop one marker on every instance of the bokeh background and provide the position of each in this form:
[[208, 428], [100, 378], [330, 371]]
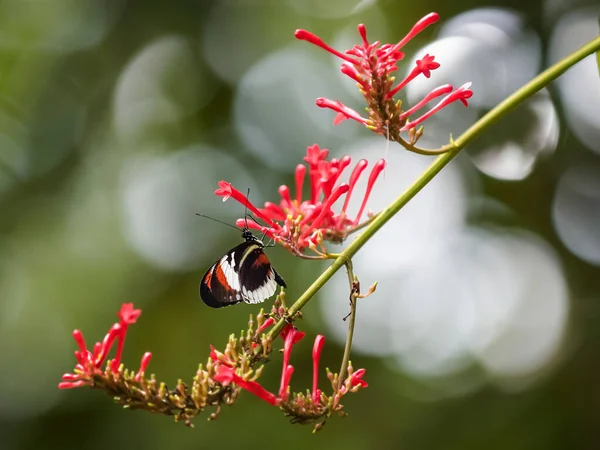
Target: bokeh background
[[117, 119]]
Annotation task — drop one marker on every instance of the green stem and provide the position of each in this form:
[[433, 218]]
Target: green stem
[[539, 82], [353, 296]]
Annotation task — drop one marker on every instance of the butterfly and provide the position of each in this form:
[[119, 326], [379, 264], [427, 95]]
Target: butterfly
[[243, 274]]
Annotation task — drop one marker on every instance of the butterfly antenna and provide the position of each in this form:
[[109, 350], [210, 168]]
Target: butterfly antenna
[[251, 216], [272, 242], [247, 214], [246, 210], [217, 220]]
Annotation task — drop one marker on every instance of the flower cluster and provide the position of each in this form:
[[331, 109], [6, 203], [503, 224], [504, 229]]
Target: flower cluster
[[89, 363], [299, 222], [218, 382], [315, 406], [371, 65], [134, 391]]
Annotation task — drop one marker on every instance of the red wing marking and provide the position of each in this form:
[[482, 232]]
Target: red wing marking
[[261, 260], [221, 278]]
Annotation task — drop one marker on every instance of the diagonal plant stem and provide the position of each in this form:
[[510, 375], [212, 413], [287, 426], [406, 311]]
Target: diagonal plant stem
[[538, 83], [354, 292]]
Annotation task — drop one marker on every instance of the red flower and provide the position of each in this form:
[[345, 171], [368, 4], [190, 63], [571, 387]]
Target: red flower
[[354, 381], [128, 315], [286, 377], [226, 190], [343, 111], [219, 357], [143, 365], [298, 223], [226, 375], [89, 363], [371, 65], [266, 324], [290, 336], [316, 356]]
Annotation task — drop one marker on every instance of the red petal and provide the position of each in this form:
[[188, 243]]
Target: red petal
[[128, 315]]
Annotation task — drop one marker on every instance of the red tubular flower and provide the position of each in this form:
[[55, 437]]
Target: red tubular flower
[[297, 224], [143, 366], [219, 357], [226, 375], [266, 324], [286, 377], [214, 353], [316, 356], [78, 336], [299, 175], [127, 316], [226, 190], [290, 336], [343, 111], [326, 212], [304, 35], [462, 93], [89, 363], [355, 380], [71, 384], [101, 349], [424, 66], [377, 169], [438, 91], [371, 65]]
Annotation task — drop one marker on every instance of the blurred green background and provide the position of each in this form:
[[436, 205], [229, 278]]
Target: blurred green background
[[117, 119]]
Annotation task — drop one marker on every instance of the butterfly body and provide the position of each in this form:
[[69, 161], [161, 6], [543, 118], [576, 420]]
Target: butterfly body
[[243, 274]]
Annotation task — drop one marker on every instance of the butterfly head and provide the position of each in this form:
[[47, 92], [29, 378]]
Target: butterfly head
[[249, 237]]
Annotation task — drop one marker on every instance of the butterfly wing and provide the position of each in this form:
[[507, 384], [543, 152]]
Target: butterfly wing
[[242, 274], [220, 285], [258, 280]]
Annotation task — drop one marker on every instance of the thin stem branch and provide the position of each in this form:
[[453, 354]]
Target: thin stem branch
[[354, 292], [527, 91], [421, 151], [364, 224], [311, 257]]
